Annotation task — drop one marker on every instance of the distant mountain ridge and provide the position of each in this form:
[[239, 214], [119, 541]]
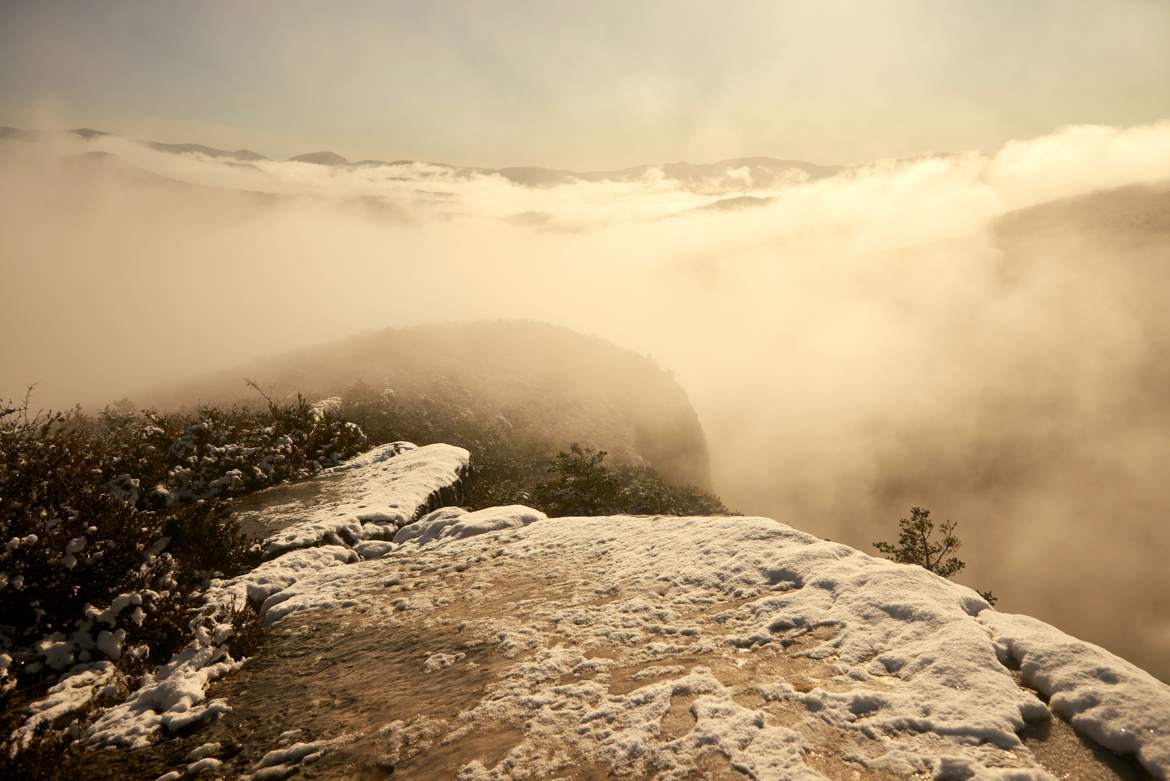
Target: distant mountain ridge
[[243, 155], [320, 158], [759, 171]]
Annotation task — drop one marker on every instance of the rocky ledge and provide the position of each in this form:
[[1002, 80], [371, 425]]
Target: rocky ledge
[[431, 642]]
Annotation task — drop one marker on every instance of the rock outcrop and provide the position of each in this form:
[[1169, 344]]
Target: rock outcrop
[[501, 644]]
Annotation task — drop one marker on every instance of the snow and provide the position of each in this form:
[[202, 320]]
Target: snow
[[58, 651], [1116, 704], [173, 697], [430, 526], [906, 665], [110, 614], [73, 693], [72, 548], [447, 524], [369, 497], [651, 644], [374, 549], [626, 730], [204, 750], [456, 523], [291, 755], [277, 574], [202, 765], [283, 762], [110, 643]]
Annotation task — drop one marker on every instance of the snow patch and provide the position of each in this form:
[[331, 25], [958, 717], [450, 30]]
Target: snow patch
[[283, 762], [455, 523], [72, 694], [374, 549], [1116, 704], [205, 750], [371, 496], [331, 590], [203, 765], [173, 697], [277, 574]]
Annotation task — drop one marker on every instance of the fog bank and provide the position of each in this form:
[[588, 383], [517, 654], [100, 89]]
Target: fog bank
[[982, 334]]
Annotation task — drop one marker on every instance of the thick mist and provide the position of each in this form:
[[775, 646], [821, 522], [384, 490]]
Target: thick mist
[[982, 334]]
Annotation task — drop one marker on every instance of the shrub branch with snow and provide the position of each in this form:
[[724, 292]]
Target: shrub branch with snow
[[111, 526]]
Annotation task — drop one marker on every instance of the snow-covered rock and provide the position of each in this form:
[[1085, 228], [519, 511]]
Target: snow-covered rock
[[789, 656], [368, 497], [374, 549], [1116, 704], [508, 645], [279, 573], [345, 514], [444, 524], [455, 523]]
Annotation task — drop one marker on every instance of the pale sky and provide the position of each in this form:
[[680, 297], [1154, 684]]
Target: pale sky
[[585, 84]]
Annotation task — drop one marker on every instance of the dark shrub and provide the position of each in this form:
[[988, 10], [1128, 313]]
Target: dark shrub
[[579, 482], [112, 525]]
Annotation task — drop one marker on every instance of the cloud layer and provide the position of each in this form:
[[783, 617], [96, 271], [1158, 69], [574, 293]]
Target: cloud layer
[[933, 331]]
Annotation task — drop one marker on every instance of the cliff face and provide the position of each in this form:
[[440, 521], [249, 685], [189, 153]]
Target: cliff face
[[548, 383], [501, 644]]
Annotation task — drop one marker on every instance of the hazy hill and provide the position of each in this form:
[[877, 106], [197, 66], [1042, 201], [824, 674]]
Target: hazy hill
[[1118, 217], [548, 383], [320, 158], [16, 134], [93, 172], [243, 155]]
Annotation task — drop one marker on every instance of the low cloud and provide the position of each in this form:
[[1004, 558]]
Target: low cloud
[[933, 331]]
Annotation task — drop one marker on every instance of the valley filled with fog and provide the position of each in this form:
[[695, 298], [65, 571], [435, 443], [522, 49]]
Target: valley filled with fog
[[982, 334]]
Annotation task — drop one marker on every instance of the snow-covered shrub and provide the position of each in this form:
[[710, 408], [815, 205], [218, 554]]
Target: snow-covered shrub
[[111, 525], [85, 575], [213, 453]]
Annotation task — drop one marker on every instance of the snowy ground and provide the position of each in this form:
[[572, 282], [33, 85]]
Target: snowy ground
[[670, 646], [501, 644]]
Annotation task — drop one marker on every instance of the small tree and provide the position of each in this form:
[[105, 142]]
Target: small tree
[[917, 544], [579, 483]]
